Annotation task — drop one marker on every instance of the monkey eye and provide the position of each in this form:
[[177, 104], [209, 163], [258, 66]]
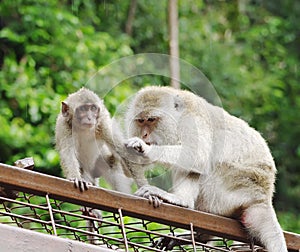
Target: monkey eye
[[94, 108], [151, 119], [140, 120], [83, 108]]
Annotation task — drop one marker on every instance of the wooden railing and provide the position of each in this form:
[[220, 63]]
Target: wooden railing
[[52, 205]]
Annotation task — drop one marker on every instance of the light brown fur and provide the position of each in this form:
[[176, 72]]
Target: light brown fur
[[87, 153], [232, 167]]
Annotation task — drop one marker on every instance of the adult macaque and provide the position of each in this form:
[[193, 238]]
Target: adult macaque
[[82, 128], [219, 163]]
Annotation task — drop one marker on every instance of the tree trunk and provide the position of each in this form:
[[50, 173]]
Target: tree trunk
[[173, 43], [130, 18]]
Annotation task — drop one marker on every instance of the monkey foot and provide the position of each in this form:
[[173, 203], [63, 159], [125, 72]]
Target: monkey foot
[[168, 242], [165, 243]]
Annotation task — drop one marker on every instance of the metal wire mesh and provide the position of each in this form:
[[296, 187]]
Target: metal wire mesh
[[113, 230]]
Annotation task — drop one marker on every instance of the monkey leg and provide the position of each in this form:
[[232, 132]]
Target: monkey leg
[[91, 224], [261, 222], [156, 195]]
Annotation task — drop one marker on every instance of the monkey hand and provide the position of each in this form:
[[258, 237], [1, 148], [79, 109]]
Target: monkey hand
[[156, 196], [145, 192], [138, 146], [81, 184]]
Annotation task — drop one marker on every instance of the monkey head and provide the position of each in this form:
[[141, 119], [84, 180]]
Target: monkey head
[[153, 116], [85, 115], [82, 109]]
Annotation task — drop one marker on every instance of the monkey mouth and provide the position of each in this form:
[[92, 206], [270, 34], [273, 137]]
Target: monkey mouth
[[150, 143], [88, 125]]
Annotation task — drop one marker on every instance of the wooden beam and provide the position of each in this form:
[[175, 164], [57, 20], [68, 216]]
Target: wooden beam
[[131, 205]]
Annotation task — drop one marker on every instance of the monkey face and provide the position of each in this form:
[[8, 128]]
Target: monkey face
[[86, 115], [151, 128], [146, 126]]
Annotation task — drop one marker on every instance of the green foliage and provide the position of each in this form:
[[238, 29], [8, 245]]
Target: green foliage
[[52, 53], [250, 55], [289, 221], [249, 50]]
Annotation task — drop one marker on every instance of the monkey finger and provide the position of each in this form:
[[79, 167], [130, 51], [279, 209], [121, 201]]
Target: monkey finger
[[148, 197], [139, 149], [159, 243], [76, 182], [164, 243], [135, 144], [81, 184], [150, 200], [153, 200], [156, 201], [129, 143]]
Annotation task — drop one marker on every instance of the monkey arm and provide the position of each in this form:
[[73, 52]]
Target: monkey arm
[[176, 156], [184, 192], [137, 173], [69, 161], [115, 176], [71, 166], [181, 157], [173, 156], [109, 131]]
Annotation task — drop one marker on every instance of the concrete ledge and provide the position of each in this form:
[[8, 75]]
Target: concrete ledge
[[23, 240]]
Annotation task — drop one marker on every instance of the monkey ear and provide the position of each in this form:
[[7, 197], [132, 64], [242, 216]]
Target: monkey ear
[[65, 109], [178, 103]]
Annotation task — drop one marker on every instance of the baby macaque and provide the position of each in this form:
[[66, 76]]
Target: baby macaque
[[81, 128], [84, 140], [219, 163]]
